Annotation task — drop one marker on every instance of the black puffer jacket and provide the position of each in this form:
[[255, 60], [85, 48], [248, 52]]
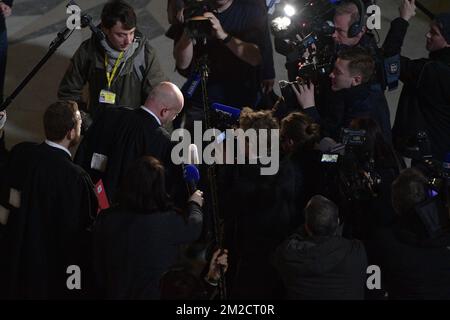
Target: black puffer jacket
[[322, 268]]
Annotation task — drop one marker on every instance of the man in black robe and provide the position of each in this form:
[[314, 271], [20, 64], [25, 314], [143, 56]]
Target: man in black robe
[[51, 202], [120, 136]]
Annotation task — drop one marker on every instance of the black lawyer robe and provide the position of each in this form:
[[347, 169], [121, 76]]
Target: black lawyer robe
[[48, 230], [123, 136]]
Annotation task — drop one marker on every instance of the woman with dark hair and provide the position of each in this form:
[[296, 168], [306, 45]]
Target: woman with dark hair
[[137, 241], [300, 138], [257, 212]]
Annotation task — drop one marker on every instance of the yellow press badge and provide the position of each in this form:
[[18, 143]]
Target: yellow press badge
[[107, 97]]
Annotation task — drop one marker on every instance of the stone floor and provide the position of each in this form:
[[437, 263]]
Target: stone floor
[[34, 25]]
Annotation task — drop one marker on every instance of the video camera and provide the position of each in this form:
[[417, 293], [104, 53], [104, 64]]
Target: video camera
[[434, 213], [197, 26], [302, 31], [352, 167], [417, 147], [224, 117], [419, 150]]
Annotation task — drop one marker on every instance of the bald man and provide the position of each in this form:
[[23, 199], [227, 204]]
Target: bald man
[[121, 135], [165, 102]]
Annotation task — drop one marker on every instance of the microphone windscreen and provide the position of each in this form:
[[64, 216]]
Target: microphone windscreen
[[233, 112], [191, 174], [193, 155]]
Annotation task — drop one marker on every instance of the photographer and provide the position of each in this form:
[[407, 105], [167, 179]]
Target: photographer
[[415, 262], [425, 101], [351, 31], [352, 95], [377, 163], [235, 49], [176, 15]]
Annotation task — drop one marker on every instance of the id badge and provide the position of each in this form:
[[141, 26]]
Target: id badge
[[99, 162], [107, 97]]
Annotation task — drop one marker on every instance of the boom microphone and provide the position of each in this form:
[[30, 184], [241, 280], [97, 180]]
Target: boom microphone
[[86, 21], [424, 9]]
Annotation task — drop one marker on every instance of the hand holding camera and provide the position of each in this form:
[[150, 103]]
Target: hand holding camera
[[198, 18], [304, 94], [217, 29]]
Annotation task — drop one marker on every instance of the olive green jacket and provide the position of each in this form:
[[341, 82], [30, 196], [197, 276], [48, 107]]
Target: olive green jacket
[[132, 85]]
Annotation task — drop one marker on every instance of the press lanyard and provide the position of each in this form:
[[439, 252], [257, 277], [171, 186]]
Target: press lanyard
[[110, 76]]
